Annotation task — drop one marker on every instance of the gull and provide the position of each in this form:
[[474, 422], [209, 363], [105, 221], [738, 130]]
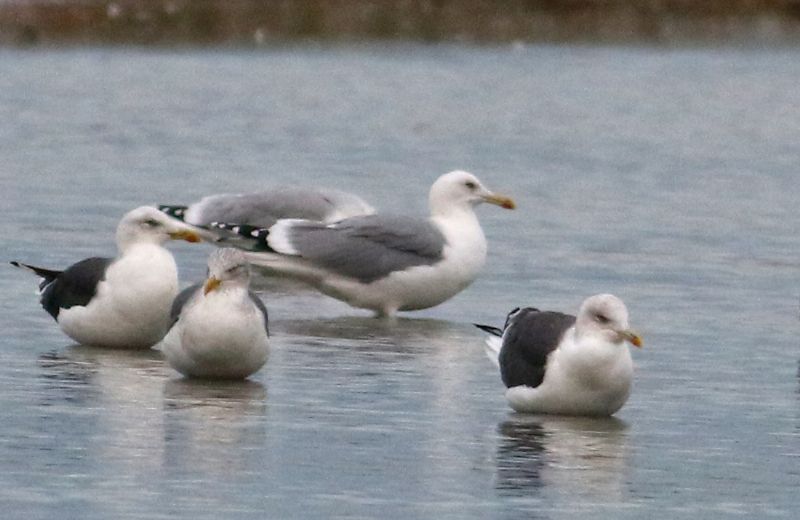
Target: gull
[[220, 328], [264, 208], [554, 363], [122, 302], [384, 263]]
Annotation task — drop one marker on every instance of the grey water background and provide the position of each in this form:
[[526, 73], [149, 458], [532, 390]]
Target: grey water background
[[666, 176]]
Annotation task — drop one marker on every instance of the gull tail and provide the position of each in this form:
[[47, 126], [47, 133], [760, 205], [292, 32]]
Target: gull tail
[[244, 236], [47, 275], [493, 342]]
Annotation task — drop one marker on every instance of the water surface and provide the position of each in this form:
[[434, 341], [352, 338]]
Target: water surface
[[668, 177]]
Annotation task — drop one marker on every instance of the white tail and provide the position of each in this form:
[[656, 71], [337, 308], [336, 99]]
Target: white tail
[[492, 349]]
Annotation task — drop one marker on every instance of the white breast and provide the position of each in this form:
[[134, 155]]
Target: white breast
[[219, 335], [131, 306], [582, 378]]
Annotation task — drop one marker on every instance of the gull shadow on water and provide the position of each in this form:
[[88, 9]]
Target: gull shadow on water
[[572, 455], [185, 393], [370, 343], [101, 356], [271, 285], [385, 331], [213, 427]]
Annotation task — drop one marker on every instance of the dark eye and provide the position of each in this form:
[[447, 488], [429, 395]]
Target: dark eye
[[233, 269], [602, 319], [471, 185], [151, 223]]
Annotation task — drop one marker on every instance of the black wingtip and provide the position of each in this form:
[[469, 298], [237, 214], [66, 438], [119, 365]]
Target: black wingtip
[[494, 331], [25, 266], [255, 234], [47, 274], [178, 212]]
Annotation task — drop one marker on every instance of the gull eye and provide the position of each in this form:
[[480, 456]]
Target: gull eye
[[233, 269], [602, 319], [151, 223], [471, 185]]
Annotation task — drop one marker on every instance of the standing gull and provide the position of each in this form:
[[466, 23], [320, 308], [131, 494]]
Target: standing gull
[[220, 330], [122, 302], [385, 263], [556, 363], [263, 209]]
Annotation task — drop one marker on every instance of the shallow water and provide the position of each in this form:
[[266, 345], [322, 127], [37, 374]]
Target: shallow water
[[667, 177]]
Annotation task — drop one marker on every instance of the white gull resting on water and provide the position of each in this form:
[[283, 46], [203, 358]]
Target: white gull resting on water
[[554, 363], [220, 328], [385, 263], [122, 302], [264, 208]]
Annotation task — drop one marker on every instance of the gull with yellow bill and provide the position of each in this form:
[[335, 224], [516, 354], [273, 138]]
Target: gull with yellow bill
[[119, 302], [555, 363], [220, 328], [384, 263]]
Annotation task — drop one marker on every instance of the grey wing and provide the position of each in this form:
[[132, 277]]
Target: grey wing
[[264, 208], [369, 247], [76, 285], [530, 336], [181, 300], [262, 308]]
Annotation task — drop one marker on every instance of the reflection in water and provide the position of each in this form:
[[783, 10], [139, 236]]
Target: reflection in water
[[65, 379], [388, 341], [797, 395], [798, 376], [105, 402], [266, 282], [394, 330], [136, 420], [81, 373], [573, 455], [520, 455], [212, 427]]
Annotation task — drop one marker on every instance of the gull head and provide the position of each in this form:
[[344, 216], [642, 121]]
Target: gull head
[[227, 267], [460, 190], [605, 316], [147, 224]]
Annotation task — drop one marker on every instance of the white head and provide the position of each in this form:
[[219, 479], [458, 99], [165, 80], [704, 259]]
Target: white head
[[146, 224], [605, 316], [227, 268], [459, 190]]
